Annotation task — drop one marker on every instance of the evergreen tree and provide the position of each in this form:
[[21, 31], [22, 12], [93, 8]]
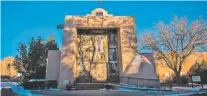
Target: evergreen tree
[[31, 61], [51, 43], [199, 69]]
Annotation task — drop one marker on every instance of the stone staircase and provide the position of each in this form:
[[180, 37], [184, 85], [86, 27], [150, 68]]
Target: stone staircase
[[88, 86]]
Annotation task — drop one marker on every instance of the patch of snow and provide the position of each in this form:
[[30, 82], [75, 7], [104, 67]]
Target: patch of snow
[[17, 89], [153, 89], [127, 90], [53, 89], [144, 87], [132, 86], [8, 84], [103, 89], [34, 80], [186, 88], [20, 90], [185, 94]]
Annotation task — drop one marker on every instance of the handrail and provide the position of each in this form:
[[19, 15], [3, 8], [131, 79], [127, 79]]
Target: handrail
[[119, 78], [137, 78]]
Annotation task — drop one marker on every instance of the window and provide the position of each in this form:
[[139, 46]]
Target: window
[[99, 14], [8, 67]]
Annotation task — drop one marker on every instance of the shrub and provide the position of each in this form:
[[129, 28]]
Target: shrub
[[41, 84], [199, 70], [51, 84], [183, 79], [68, 87], [34, 85], [108, 86], [26, 85]]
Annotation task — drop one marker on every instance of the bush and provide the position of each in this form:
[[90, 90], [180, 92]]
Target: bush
[[51, 84], [183, 79], [68, 87], [108, 86], [199, 70], [26, 85], [34, 85], [41, 84]]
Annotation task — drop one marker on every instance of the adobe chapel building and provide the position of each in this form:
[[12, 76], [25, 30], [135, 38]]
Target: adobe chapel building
[[104, 46]]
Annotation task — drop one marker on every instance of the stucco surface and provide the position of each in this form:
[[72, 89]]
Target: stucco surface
[[53, 65], [126, 37], [127, 44], [140, 72]]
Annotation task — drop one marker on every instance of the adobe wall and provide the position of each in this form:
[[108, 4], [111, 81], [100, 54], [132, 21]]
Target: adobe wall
[[126, 34]]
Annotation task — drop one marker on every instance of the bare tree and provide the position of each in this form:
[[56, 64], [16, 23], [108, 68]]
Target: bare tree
[[176, 41], [79, 43], [92, 50]]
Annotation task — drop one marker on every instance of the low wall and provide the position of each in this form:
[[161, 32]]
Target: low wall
[[140, 82], [53, 65]]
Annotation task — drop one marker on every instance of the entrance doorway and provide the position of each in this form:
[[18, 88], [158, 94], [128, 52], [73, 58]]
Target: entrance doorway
[[98, 54]]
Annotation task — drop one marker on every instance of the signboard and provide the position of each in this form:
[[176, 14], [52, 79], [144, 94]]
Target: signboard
[[196, 78], [65, 81]]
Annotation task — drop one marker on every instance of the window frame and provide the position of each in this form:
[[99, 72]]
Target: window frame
[[99, 13]]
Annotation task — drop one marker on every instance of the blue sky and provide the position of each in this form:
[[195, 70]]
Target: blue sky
[[23, 20]]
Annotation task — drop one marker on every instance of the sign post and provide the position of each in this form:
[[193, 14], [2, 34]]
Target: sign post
[[196, 79]]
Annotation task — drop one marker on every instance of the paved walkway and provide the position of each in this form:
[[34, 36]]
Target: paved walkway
[[99, 93]]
